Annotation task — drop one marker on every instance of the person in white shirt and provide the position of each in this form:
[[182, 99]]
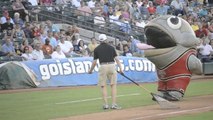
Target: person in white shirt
[[34, 2], [76, 3], [205, 50], [27, 55], [58, 54], [37, 52], [99, 20], [66, 46], [177, 6], [3, 18], [91, 3]]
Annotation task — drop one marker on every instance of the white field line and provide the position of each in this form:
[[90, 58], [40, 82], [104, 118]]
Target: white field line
[[173, 113], [93, 99]]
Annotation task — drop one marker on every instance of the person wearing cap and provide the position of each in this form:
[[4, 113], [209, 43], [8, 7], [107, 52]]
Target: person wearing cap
[[107, 57]]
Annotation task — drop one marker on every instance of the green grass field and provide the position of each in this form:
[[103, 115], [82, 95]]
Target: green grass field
[[49, 104]]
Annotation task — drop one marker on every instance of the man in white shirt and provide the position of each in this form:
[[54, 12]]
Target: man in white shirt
[[37, 52], [91, 3], [205, 50], [76, 3], [66, 46], [34, 2]]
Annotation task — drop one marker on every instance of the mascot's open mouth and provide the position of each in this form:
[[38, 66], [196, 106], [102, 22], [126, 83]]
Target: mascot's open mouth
[[155, 36]]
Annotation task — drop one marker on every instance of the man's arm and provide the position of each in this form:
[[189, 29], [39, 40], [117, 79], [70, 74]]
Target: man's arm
[[119, 64], [93, 66]]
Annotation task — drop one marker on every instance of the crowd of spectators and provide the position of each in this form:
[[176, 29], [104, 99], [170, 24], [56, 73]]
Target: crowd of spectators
[[35, 40]]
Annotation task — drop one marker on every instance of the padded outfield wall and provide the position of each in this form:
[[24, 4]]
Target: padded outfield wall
[[74, 71]]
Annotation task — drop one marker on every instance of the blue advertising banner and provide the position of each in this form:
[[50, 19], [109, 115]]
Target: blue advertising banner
[[74, 71]]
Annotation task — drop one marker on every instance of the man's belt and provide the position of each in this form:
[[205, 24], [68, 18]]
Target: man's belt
[[105, 63]]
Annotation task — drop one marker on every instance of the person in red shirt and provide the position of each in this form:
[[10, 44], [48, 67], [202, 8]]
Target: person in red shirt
[[47, 49], [201, 30], [151, 8]]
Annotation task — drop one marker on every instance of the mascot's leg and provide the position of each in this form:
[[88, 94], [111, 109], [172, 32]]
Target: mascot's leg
[[173, 90]]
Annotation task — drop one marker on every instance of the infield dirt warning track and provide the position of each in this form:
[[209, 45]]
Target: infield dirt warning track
[[191, 105]]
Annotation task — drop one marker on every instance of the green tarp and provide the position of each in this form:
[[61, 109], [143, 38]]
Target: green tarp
[[14, 75]]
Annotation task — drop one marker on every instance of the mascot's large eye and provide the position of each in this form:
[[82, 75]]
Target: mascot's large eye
[[174, 22]]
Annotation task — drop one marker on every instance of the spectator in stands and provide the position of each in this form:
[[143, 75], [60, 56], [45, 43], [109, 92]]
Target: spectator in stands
[[35, 31], [47, 49], [28, 31], [110, 12], [27, 55], [201, 31], [129, 3], [91, 3], [7, 27], [99, 20], [135, 12], [43, 36], [72, 30], [58, 54], [8, 47], [46, 2], [61, 2], [120, 45], [66, 46], [113, 18], [194, 25], [126, 51], [37, 52], [177, 6], [203, 11], [34, 2], [162, 9], [117, 10], [125, 13], [18, 20], [76, 3], [144, 11], [77, 37], [151, 8], [124, 25], [25, 43], [83, 48], [98, 8], [92, 45], [5, 15], [76, 48], [84, 11], [53, 41], [19, 7], [18, 34], [133, 47], [17, 48], [51, 27], [205, 50], [139, 3]]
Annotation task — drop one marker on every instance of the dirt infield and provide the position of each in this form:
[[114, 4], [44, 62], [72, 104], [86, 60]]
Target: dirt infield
[[190, 105]]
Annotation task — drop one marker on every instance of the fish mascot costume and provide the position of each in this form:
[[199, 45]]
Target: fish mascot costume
[[173, 51]]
